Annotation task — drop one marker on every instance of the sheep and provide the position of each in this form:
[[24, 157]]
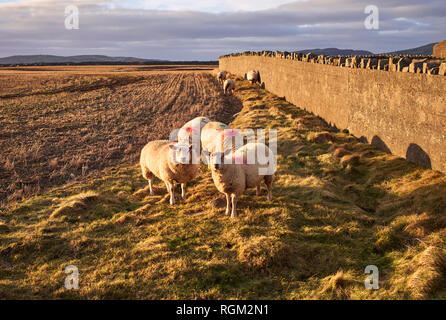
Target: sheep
[[229, 86], [217, 136], [221, 76], [192, 129], [234, 172], [190, 133], [253, 76], [170, 162]]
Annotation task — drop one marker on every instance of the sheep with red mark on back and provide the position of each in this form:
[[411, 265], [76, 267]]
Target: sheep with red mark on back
[[235, 171]]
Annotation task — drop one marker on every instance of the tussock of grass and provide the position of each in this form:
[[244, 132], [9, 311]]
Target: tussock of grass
[[320, 137], [75, 204], [263, 253], [430, 272], [389, 238], [335, 286], [424, 224], [350, 160], [338, 206]]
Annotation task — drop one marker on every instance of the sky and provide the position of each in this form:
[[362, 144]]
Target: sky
[[207, 29]]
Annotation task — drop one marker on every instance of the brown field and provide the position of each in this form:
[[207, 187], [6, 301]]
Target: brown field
[[57, 122]]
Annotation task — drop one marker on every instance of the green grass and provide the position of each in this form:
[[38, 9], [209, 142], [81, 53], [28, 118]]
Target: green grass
[[330, 217]]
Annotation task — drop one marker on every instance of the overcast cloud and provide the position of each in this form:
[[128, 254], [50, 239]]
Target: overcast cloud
[[206, 29]]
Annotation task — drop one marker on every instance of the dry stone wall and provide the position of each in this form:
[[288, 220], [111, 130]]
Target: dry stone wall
[[395, 103], [440, 49]]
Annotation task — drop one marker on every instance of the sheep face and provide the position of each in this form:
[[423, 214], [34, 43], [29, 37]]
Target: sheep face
[[215, 160], [180, 154]]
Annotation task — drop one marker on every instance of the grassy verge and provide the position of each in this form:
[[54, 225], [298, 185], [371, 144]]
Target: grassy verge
[[338, 206]]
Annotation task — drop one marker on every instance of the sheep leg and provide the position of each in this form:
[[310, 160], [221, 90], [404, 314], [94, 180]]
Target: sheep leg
[[234, 206], [183, 190], [258, 190], [150, 187], [269, 186], [228, 204], [170, 189], [148, 176]]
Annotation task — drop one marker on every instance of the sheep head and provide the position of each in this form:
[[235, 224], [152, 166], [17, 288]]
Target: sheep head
[[216, 160], [180, 154]]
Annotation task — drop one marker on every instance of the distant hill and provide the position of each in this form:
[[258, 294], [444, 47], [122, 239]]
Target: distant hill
[[427, 49], [423, 50], [337, 52], [50, 59]]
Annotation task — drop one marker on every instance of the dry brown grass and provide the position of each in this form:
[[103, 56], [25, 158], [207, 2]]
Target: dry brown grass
[[75, 204], [429, 272]]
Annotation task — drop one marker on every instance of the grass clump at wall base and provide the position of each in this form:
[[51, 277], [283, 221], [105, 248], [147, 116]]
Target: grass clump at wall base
[[328, 220]]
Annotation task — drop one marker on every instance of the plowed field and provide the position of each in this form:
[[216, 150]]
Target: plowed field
[[59, 124]]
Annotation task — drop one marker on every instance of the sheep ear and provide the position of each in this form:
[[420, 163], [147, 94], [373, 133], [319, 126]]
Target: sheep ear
[[172, 146]]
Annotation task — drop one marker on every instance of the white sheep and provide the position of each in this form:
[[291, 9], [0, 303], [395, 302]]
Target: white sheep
[[192, 129], [253, 76], [217, 136], [229, 86], [190, 133], [234, 172], [221, 76], [170, 162]]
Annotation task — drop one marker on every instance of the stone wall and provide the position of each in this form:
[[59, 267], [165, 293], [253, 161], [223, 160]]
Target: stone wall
[[400, 112], [440, 50]]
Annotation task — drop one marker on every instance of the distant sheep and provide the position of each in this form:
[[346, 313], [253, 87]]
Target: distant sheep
[[229, 86], [233, 173], [221, 76], [253, 76], [170, 163], [217, 136]]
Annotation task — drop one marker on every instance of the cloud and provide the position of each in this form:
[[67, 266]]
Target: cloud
[[109, 27], [202, 5]]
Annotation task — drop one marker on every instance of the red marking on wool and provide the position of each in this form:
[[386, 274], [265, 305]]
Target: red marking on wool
[[231, 133], [236, 159]]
